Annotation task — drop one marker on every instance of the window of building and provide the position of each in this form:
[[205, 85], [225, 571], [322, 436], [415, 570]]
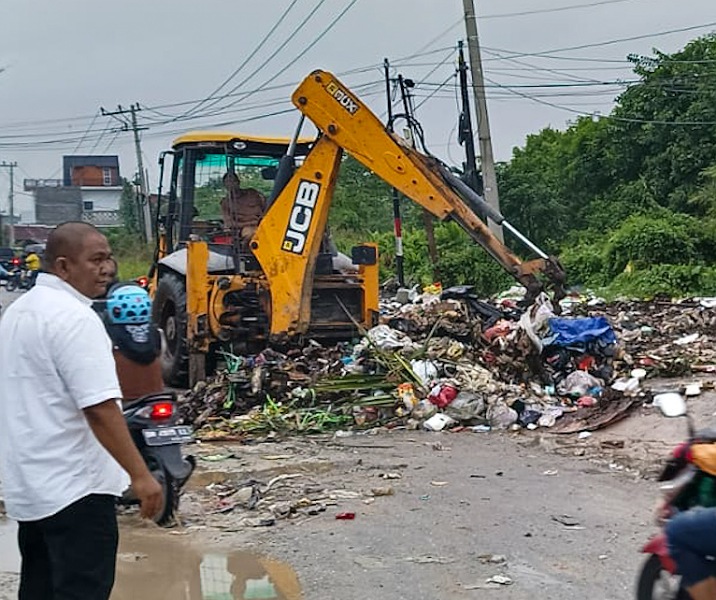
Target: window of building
[[106, 176], [88, 205]]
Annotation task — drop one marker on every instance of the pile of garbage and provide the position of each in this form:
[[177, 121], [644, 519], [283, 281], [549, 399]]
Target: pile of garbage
[[447, 359]]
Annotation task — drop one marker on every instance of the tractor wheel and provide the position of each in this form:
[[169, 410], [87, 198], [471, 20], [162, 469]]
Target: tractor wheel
[[169, 313]]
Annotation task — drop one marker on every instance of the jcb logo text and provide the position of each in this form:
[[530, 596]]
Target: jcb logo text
[[301, 215]]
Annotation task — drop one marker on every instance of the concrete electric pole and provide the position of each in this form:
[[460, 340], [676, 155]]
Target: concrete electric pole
[[489, 177], [11, 199], [145, 211]]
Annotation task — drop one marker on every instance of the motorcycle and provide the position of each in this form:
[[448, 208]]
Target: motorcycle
[[684, 486], [152, 422], [20, 279]]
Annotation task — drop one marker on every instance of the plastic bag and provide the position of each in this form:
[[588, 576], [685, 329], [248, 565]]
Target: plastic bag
[[388, 339], [536, 318], [501, 416], [466, 406], [578, 383], [425, 370], [442, 395], [438, 422]]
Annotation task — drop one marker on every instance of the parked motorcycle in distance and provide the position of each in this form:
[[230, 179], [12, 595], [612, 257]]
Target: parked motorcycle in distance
[[152, 424], [684, 486]]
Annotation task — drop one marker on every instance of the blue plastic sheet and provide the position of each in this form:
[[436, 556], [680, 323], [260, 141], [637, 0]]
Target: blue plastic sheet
[[567, 332]]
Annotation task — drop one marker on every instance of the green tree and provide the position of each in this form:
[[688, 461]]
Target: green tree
[[128, 209], [665, 125]]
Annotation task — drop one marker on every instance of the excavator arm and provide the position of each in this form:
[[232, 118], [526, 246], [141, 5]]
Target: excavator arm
[[300, 211]]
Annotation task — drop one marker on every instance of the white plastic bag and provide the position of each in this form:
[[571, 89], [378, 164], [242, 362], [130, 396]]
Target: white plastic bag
[[535, 319]]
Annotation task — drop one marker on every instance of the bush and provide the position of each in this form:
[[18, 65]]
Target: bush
[[585, 264], [643, 241], [676, 281], [134, 257], [460, 259]]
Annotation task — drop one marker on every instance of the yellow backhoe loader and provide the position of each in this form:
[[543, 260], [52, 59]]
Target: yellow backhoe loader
[[215, 281]]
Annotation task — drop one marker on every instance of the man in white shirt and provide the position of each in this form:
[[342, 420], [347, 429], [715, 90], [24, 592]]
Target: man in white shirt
[[65, 450]]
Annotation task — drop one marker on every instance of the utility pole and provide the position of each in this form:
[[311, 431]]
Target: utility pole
[[465, 134], [145, 211], [489, 177], [405, 85], [11, 199], [397, 219]]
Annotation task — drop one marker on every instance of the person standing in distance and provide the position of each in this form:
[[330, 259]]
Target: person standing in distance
[[65, 450]]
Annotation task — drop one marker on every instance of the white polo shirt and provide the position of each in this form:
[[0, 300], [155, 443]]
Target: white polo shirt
[[55, 360]]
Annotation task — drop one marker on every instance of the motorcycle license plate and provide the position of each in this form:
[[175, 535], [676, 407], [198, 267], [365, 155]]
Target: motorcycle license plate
[[163, 436]]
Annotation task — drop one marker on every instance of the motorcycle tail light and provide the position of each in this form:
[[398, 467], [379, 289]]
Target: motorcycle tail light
[[157, 411], [143, 281], [15, 261], [162, 410]]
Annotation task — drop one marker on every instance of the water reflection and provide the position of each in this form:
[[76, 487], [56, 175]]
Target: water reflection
[[159, 566]]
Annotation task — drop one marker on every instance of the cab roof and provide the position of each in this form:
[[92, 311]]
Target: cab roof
[[253, 144]]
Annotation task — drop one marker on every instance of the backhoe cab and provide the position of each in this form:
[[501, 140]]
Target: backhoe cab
[[281, 280]]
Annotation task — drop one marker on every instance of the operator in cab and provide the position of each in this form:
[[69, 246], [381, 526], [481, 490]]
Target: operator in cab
[[241, 209]]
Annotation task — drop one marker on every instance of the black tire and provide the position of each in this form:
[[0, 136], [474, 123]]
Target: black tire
[[11, 284], [165, 516], [169, 314], [648, 583]]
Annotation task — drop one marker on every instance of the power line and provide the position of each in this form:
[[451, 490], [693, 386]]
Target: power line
[[435, 91], [111, 141], [551, 10], [86, 132], [604, 43], [610, 117], [293, 34], [300, 55], [246, 60]]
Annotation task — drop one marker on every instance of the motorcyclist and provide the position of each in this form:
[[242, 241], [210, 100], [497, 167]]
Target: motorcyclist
[[691, 535], [136, 340], [32, 264]]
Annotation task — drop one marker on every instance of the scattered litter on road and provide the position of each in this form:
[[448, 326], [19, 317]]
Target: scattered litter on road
[[428, 559], [565, 520], [495, 559], [216, 457], [500, 580], [346, 516], [131, 556]]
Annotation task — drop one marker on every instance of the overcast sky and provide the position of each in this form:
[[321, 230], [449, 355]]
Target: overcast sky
[[64, 59]]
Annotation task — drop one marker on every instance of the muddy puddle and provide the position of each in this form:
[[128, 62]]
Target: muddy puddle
[[160, 565]]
